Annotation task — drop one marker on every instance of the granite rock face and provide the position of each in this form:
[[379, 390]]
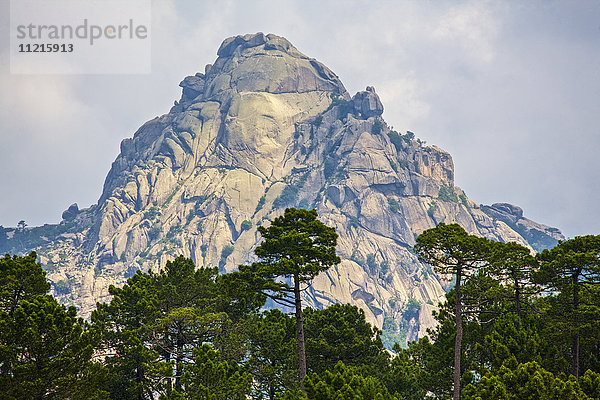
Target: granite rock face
[[263, 128]]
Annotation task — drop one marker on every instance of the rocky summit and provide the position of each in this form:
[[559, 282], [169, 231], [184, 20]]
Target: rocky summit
[[264, 128]]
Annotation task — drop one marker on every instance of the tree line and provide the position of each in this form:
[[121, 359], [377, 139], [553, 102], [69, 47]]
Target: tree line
[[515, 326]]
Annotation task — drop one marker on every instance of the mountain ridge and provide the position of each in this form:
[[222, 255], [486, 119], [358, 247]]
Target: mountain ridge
[[263, 128]]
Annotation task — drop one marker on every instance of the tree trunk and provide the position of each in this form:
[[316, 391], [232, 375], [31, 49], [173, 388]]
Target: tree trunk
[[271, 391], [300, 331], [459, 333], [517, 298], [179, 363], [575, 350]]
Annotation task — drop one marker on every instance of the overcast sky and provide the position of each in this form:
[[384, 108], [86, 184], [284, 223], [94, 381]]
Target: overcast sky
[[511, 89]]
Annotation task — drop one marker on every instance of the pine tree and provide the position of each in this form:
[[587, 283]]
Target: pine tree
[[450, 250], [571, 267], [297, 247]]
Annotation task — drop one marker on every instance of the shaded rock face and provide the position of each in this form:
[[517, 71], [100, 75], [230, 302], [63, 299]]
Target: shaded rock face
[[264, 128]]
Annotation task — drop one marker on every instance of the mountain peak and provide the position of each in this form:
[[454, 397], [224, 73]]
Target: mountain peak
[[263, 128], [259, 63], [240, 43]]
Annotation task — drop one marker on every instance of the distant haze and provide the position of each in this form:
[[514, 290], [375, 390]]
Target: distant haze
[[510, 89]]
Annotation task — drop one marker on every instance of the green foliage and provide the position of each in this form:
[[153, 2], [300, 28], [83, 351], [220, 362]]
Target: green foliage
[[155, 231], [463, 200], [431, 210], [404, 164], [155, 322], [297, 246], [446, 193], [132, 365], [168, 200], [393, 333], [152, 213], [23, 240], [272, 353], [524, 382], [44, 351], [377, 127], [572, 268], [62, 287], [526, 323], [226, 252], [246, 225], [341, 333], [174, 230], [371, 263], [394, 166], [329, 167], [412, 309], [345, 383], [209, 377], [344, 107], [318, 120], [449, 249], [384, 267], [303, 204], [357, 258], [21, 278], [261, 203], [287, 197], [400, 141], [394, 206], [396, 140]]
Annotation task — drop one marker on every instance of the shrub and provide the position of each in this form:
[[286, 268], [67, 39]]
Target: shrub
[[62, 287], [226, 252], [377, 127], [393, 204], [287, 197], [329, 167], [396, 140], [403, 164], [463, 200], [261, 203], [412, 309], [155, 231], [371, 263], [431, 210], [344, 106], [357, 258], [446, 193], [246, 225], [303, 204], [152, 213], [385, 267]]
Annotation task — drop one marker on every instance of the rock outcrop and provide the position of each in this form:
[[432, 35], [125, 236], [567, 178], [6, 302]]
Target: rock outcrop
[[263, 128]]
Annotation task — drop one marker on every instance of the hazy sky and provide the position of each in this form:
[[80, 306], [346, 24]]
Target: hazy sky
[[511, 89]]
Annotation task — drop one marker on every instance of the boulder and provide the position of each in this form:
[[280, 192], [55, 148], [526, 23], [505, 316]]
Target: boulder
[[367, 103], [71, 212]]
